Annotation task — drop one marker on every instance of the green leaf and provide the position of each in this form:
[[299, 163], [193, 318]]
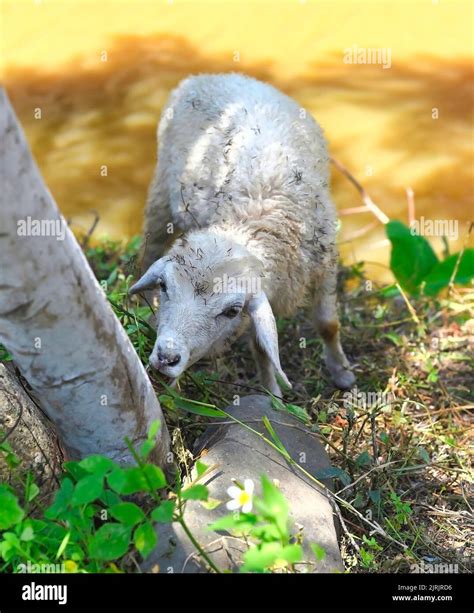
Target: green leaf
[[198, 408], [118, 479], [97, 464], [87, 489], [111, 541], [440, 275], [146, 448], [155, 476], [166, 401], [412, 257], [132, 480], [266, 532], [299, 412], [394, 338], [211, 503], [273, 504], [109, 498], [201, 468], [32, 491], [145, 539], [10, 511], [375, 496], [274, 435], [242, 522], [61, 500], [319, 552], [372, 543], [153, 430], [363, 459], [164, 512], [264, 556], [334, 472], [127, 513], [424, 455], [293, 409], [76, 471], [196, 492], [366, 557], [27, 534], [291, 553], [63, 545]]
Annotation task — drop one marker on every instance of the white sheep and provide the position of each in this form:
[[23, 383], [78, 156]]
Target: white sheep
[[243, 175]]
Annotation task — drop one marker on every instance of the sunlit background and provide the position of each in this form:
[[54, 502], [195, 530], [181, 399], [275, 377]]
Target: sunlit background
[[100, 72]]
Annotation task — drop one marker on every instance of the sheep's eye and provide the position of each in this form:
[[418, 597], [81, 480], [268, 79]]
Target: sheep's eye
[[162, 285], [231, 312]]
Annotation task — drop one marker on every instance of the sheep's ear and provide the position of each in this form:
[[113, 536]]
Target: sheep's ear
[[150, 279], [266, 334]]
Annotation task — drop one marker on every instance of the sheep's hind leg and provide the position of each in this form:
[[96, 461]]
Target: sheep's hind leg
[[265, 369], [327, 324]]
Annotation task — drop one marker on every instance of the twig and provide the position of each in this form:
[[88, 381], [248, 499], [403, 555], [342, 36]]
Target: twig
[[379, 467], [366, 199], [353, 210], [360, 232], [411, 205], [458, 261], [344, 528], [85, 240], [409, 305]]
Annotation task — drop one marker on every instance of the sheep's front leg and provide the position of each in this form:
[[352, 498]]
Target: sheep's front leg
[[265, 369], [327, 324]]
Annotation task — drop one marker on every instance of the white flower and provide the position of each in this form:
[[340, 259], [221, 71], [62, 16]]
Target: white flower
[[241, 497]]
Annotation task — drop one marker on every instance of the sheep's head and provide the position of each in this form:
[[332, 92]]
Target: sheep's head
[[210, 290]]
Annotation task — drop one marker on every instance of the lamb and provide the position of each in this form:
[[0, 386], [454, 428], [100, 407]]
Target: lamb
[[243, 175]]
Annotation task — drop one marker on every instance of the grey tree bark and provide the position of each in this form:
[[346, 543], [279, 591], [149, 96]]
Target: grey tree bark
[[56, 322], [29, 434]]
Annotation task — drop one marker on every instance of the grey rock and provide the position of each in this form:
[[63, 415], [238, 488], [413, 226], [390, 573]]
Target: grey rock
[[237, 453]]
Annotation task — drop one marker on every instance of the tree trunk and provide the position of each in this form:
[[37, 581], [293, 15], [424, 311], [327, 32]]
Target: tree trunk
[[56, 322], [30, 436]]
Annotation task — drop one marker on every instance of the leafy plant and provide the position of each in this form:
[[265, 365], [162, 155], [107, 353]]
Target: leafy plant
[[416, 267], [102, 515], [90, 522]]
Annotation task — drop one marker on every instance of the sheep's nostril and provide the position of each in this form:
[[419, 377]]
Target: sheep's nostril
[[168, 360]]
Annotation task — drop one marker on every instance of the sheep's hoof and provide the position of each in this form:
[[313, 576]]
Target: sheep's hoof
[[344, 379]]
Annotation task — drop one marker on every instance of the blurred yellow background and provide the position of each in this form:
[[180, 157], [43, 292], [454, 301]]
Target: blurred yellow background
[[100, 72]]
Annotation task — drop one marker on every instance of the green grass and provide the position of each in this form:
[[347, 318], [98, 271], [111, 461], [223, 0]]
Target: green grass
[[401, 464]]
